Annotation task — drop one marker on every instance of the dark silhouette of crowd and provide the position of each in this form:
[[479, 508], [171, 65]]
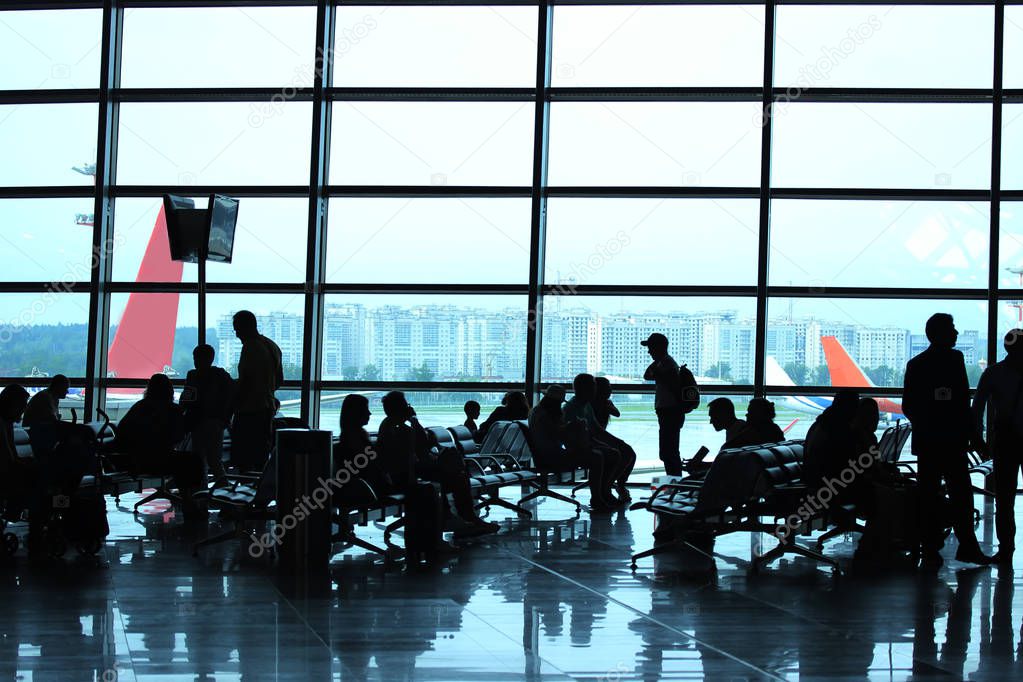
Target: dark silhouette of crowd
[[184, 440]]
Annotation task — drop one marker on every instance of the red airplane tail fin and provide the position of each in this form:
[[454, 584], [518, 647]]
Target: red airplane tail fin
[[843, 369], [144, 342]]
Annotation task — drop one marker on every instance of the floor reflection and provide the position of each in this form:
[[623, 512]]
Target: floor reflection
[[552, 599]]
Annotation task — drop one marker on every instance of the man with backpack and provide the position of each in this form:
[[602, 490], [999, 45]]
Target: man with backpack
[[676, 394], [1001, 391]]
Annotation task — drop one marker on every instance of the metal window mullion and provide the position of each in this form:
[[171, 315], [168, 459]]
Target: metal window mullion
[[103, 214], [316, 242], [996, 183], [538, 209], [763, 243]]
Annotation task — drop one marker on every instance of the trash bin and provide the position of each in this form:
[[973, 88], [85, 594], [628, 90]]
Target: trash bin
[[304, 500]]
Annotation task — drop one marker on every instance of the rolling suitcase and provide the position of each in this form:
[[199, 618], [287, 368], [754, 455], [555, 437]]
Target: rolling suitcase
[[423, 523]]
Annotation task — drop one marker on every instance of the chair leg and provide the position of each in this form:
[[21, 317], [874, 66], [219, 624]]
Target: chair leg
[[160, 493], [494, 500], [786, 546], [389, 530], [766, 558], [346, 535], [656, 549], [833, 533], [359, 542], [579, 486], [547, 492]]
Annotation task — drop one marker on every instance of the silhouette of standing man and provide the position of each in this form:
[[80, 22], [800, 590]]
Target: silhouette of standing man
[[670, 413], [1001, 390], [260, 374], [937, 403]]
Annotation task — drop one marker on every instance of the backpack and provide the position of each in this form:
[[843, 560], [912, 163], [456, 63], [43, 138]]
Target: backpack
[[688, 391]]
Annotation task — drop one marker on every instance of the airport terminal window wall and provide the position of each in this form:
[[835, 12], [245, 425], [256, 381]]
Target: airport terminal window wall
[[461, 199]]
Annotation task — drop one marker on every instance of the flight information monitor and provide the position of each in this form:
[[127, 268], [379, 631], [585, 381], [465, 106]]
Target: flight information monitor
[[223, 218]]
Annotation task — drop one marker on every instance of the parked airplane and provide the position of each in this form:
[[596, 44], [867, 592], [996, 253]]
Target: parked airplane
[[844, 373]]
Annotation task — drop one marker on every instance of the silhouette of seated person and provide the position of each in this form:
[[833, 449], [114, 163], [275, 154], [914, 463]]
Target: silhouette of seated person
[[150, 433], [558, 446], [403, 446], [603, 407], [580, 406], [208, 400], [721, 412], [472, 413], [513, 407], [62, 453], [759, 426], [21, 482], [44, 407], [830, 443], [371, 482]]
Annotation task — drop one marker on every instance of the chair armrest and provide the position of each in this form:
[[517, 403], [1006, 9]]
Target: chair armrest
[[476, 464], [498, 457], [476, 459]]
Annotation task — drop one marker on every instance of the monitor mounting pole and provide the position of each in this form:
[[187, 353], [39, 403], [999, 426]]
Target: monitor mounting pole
[[203, 249]]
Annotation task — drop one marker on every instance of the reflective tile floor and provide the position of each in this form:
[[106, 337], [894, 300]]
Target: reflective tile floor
[[552, 599]]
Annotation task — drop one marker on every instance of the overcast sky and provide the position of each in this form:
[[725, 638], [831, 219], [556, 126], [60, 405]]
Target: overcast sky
[[590, 241]]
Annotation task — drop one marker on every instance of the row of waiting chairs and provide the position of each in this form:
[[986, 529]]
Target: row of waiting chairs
[[504, 459], [757, 489]]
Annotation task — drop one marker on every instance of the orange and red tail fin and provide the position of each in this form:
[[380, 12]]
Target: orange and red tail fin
[[144, 342], [843, 369]]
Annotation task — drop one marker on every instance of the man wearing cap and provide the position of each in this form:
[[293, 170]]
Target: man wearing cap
[[670, 414]]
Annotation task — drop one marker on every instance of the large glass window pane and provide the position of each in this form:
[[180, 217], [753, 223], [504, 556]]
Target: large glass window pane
[[1013, 47], [1012, 146], [151, 333], [1010, 316], [435, 46], [434, 408], [437, 240], [922, 146], [602, 334], [651, 241], [139, 228], [884, 46], [43, 333], [280, 317], [44, 144], [1010, 246], [432, 143], [218, 46], [424, 338], [50, 49], [46, 240], [269, 243], [863, 342], [655, 143], [658, 46], [214, 143], [879, 244]]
